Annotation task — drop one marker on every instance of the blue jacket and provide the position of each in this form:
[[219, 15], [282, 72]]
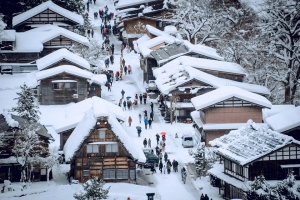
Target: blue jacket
[[146, 120]]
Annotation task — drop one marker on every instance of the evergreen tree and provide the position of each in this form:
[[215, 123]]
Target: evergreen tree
[[200, 160], [93, 190], [26, 107], [285, 187]]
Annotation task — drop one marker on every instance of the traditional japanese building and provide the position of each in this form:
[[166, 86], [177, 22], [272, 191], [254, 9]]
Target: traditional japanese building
[[47, 13], [99, 146], [225, 109], [10, 168], [75, 112], [286, 122], [184, 82], [251, 151]]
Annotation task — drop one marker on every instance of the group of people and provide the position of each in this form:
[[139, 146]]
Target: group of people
[[204, 197], [123, 67], [145, 143]]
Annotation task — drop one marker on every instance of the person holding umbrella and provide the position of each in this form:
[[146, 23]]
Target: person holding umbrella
[[139, 130]]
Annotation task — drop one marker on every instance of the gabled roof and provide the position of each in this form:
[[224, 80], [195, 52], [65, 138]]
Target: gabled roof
[[59, 55], [83, 130], [250, 142], [44, 6], [75, 112], [207, 64], [99, 79], [125, 3], [286, 120], [34, 39], [169, 77]]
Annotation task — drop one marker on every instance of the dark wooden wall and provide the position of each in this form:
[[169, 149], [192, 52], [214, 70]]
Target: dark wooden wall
[[64, 62]]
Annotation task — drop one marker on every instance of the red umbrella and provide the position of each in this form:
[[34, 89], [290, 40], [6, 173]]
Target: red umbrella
[[163, 133]]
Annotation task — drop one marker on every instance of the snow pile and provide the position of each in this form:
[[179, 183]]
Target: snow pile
[[286, 120], [8, 35], [31, 81], [170, 29], [34, 39], [44, 6], [275, 110], [250, 142], [59, 55], [9, 120], [226, 92], [169, 77]]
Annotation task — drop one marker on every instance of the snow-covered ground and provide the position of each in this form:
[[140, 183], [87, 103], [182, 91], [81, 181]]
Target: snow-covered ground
[[165, 186]]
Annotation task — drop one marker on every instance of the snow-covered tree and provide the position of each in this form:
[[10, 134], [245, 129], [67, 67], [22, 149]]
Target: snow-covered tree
[[281, 28], [285, 188], [200, 161], [196, 20], [26, 105], [93, 189], [28, 148], [52, 160]]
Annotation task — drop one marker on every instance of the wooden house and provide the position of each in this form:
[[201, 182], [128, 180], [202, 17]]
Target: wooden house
[[224, 109], [286, 122], [66, 83], [36, 43], [99, 146], [10, 169], [47, 13], [249, 152], [163, 48], [185, 82], [75, 112]]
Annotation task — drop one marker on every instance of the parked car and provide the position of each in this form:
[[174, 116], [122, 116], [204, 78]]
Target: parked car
[[187, 140], [151, 158], [152, 86]]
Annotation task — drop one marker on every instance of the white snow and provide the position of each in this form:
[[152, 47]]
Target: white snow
[[250, 142], [206, 64], [170, 77], [33, 40], [268, 112], [44, 6], [99, 79], [145, 47], [9, 120], [68, 123], [285, 120], [58, 55], [125, 3], [226, 92], [156, 32], [8, 35], [170, 29]]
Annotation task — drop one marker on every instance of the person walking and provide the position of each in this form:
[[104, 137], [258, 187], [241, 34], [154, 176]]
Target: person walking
[[160, 156], [92, 33], [164, 169], [124, 105], [122, 92], [206, 197], [111, 57], [94, 2], [182, 171], [140, 117], [145, 97], [125, 70], [150, 122], [157, 138], [149, 143], [108, 87], [157, 150], [151, 105], [129, 69], [145, 143], [151, 115], [107, 62], [129, 120], [166, 157], [123, 62], [89, 32], [112, 49], [141, 98], [163, 146], [160, 166], [146, 122]]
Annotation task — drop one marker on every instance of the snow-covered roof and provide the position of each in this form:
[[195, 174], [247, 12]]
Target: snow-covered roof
[[275, 109], [33, 40], [250, 142], [286, 120], [170, 29], [207, 64], [58, 55], [155, 31], [82, 131], [8, 35], [226, 92], [169, 77], [9, 120], [75, 112], [145, 46], [44, 6], [141, 40], [125, 3], [99, 79]]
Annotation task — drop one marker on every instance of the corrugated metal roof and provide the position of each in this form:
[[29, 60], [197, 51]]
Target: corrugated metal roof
[[169, 51]]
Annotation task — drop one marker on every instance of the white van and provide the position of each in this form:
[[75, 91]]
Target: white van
[[187, 140]]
